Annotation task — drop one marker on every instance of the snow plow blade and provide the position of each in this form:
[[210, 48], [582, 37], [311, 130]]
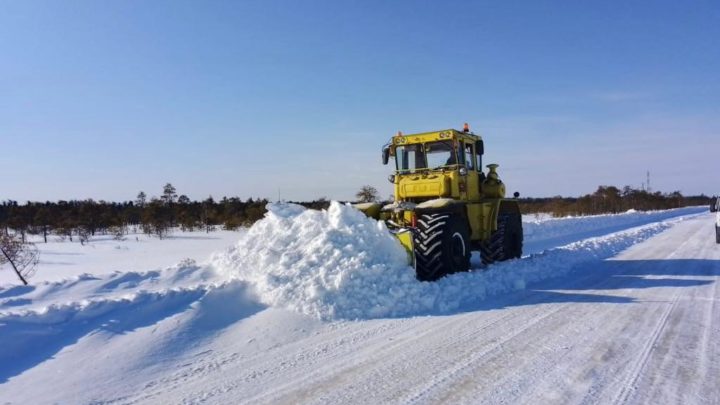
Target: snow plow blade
[[405, 236]]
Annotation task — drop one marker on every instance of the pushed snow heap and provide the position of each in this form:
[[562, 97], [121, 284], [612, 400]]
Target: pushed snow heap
[[330, 263]]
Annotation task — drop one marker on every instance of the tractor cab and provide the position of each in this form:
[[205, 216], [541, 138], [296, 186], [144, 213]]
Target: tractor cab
[[439, 164]]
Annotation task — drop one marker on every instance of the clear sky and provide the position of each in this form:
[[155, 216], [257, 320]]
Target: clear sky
[[102, 99]]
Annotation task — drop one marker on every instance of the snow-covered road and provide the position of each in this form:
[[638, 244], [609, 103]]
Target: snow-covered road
[[641, 326]]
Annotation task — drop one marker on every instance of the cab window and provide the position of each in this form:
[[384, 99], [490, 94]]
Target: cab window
[[469, 156], [409, 158], [440, 154]]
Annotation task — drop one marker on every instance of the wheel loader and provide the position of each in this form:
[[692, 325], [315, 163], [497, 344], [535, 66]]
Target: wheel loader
[[445, 206]]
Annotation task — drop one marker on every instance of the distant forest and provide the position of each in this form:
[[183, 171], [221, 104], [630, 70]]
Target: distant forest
[[79, 220], [610, 200]]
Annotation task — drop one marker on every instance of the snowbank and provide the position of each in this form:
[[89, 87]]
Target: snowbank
[[339, 264], [547, 232], [335, 263]]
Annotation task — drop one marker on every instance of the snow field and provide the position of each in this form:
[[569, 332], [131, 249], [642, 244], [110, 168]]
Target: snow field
[[103, 254]]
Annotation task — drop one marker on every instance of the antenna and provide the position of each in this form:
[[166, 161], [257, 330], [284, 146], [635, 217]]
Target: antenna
[[648, 181]]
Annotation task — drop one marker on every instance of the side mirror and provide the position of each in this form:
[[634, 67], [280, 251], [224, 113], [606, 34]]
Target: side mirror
[[480, 147], [385, 155]]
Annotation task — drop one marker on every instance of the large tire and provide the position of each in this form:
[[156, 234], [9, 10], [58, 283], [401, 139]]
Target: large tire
[[441, 245], [506, 242]]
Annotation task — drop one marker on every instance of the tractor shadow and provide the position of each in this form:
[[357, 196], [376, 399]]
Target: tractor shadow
[[607, 281]]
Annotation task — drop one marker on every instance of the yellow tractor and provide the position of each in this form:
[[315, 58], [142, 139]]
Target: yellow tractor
[[445, 206]]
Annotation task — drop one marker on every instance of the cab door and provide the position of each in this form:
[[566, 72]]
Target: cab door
[[473, 172]]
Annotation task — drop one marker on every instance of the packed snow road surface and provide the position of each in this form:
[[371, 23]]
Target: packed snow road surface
[[626, 317]]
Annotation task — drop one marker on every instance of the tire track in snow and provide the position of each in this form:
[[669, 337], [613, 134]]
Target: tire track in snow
[[677, 349], [451, 380], [296, 356], [596, 376], [641, 361], [449, 377], [631, 379], [705, 346], [330, 376]]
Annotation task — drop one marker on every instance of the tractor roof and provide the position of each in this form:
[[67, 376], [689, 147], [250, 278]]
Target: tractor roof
[[441, 135]]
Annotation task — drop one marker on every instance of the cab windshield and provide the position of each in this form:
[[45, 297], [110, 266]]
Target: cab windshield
[[433, 155]]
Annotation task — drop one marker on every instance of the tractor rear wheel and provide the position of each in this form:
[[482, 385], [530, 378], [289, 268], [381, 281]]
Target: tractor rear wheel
[[506, 242], [441, 245]]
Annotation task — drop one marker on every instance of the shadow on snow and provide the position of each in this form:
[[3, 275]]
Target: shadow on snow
[[608, 278]]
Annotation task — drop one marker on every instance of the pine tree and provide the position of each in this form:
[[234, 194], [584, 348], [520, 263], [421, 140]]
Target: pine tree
[[169, 194], [141, 199]]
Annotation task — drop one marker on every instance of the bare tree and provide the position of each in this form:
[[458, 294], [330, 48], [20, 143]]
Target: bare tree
[[83, 235], [367, 194], [22, 257]]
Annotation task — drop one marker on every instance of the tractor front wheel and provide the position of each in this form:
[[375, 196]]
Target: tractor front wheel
[[441, 245]]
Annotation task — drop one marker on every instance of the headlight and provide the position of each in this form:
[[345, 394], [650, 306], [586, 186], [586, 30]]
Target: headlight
[[463, 171], [391, 178]]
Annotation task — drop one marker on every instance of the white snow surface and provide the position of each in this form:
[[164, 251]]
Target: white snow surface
[[320, 307], [135, 252]]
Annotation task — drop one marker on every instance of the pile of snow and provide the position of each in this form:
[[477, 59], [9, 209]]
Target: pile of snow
[[331, 263], [339, 264]]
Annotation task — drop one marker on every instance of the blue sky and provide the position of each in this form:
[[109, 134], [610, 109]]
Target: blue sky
[[104, 99]]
